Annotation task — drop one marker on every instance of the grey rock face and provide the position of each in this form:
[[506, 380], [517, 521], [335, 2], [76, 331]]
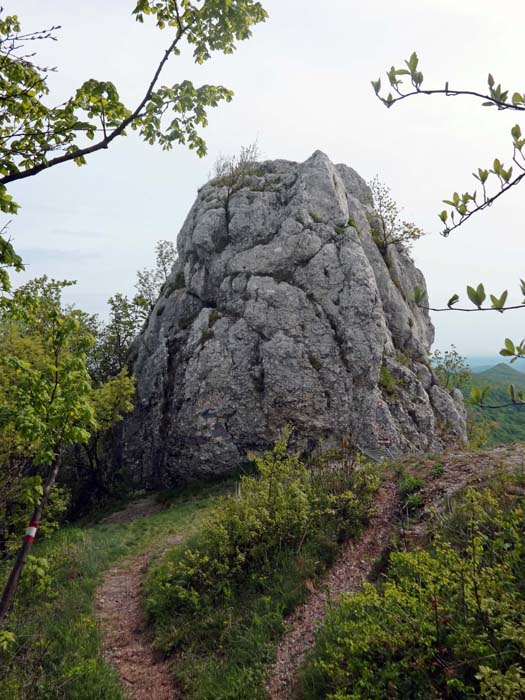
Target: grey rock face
[[281, 309]]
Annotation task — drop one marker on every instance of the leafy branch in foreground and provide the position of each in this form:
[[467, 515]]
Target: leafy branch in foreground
[[499, 177], [478, 396], [477, 295], [35, 136]]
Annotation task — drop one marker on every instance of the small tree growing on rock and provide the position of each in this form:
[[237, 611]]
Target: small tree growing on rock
[[451, 368], [392, 228], [150, 281]]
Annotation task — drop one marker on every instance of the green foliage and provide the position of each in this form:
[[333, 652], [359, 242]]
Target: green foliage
[[113, 339], [409, 490], [437, 470], [481, 431], [494, 181], [8, 258], [150, 281], [110, 354], [511, 349], [450, 368], [232, 173], [47, 402], [420, 296], [387, 380], [222, 600], [463, 206], [112, 400], [391, 228], [448, 621]]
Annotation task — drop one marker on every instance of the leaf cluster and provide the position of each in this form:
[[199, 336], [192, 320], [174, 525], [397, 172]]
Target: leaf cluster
[[463, 206]]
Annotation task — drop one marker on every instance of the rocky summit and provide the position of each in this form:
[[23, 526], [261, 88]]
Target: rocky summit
[[282, 310]]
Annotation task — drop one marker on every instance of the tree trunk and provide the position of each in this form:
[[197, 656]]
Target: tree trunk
[[11, 585]]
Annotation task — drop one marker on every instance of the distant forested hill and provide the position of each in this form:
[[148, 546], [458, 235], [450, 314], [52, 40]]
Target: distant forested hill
[[511, 420]]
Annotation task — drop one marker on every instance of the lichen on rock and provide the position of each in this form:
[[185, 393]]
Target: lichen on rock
[[282, 310]]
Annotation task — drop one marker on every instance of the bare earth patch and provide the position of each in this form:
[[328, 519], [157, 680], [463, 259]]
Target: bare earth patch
[[127, 644], [141, 508], [461, 469], [353, 567]]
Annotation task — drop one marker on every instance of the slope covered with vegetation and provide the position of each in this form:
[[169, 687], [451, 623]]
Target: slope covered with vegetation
[[446, 621], [508, 423]]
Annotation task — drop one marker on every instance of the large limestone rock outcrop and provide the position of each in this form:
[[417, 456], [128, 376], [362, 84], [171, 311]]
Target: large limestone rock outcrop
[[281, 309]]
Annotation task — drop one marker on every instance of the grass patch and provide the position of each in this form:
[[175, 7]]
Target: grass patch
[[55, 655]]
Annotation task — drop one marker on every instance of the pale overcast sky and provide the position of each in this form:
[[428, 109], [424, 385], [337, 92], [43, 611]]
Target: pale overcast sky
[[301, 83]]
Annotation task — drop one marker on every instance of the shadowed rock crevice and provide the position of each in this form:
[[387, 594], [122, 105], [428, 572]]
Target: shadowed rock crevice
[[283, 311]]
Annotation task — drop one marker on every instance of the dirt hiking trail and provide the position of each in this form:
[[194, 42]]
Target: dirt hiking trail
[[127, 643], [347, 575]]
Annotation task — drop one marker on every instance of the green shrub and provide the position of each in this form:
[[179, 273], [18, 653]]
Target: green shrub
[[223, 599], [437, 470], [449, 622], [387, 380], [56, 651], [409, 488]]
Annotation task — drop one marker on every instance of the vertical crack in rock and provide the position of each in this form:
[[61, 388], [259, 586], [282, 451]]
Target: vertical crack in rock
[[282, 310]]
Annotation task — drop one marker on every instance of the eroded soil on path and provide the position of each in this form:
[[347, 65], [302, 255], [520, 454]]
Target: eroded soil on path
[[353, 567], [141, 508], [448, 473], [127, 643]]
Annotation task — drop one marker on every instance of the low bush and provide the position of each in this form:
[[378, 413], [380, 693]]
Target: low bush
[[222, 599], [409, 490], [387, 380], [448, 621]]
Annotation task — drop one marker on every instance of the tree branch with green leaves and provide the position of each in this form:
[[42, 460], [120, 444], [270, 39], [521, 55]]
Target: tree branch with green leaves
[[494, 180], [477, 295], [35, 137]]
